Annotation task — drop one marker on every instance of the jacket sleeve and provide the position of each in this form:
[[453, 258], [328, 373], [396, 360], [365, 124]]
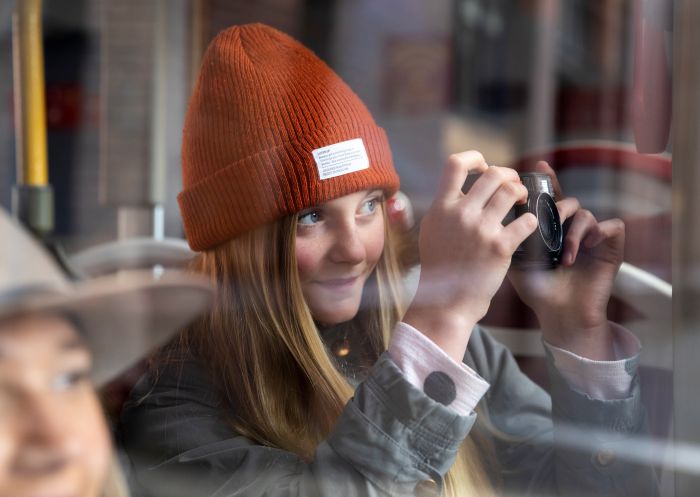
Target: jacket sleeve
[[568, 444], [391, 439]]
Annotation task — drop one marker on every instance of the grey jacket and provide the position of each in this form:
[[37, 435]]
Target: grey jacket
[[391, 439]]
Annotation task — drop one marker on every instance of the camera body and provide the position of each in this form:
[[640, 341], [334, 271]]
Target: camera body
[[543, 248]]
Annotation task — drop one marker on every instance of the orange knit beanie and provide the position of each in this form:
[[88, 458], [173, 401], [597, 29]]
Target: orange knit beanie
[[271, 130]]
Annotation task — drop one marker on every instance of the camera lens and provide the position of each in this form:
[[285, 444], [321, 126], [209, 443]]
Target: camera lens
[[548, 221]]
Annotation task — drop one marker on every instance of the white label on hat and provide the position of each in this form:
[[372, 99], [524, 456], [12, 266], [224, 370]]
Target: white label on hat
[[341, 158]]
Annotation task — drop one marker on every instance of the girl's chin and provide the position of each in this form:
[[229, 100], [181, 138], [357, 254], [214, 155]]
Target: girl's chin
[[330, 317]]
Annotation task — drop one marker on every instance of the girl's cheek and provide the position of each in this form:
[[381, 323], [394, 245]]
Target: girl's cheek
[[307, 259], [374, 244], [374, 251]]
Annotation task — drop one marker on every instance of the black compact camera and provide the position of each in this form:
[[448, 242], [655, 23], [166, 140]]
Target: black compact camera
[[543, 248]]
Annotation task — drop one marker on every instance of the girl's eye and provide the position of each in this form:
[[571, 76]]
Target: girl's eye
[[70, 379], [369, 206], [309, 219]]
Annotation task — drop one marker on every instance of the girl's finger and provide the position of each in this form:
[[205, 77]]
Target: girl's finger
[[488, 184], [544, 167], [568, 207], [455, 173], [503, 200], [611, 229], [582, 225], [516, 232]]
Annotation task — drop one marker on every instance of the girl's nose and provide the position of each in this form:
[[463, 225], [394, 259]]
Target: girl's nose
[[347, 245]]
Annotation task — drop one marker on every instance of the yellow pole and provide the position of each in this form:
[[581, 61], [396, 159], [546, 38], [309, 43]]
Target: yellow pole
[[32, 196], [30, 100]]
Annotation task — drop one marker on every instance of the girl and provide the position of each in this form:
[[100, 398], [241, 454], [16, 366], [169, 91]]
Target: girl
[[310, 376], [55, 341]]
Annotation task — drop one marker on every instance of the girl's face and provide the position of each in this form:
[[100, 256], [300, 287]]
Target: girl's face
[[53, 437], [338, 245]]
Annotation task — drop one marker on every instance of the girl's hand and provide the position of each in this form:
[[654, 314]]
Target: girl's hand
[[571, 301], [465, 250]]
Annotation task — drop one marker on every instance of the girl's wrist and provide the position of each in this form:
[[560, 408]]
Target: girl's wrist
[[448, 329], [591, 338]]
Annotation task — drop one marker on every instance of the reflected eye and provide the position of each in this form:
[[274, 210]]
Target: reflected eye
[[309, 218], [70, 379]]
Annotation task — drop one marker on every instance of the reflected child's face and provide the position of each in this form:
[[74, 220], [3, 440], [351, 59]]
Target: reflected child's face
[[53, 436], [338, 245]]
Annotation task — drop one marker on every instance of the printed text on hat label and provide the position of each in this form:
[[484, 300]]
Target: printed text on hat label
[[341, 158]]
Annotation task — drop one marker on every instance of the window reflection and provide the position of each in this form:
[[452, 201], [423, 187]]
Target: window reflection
[[586, 86]]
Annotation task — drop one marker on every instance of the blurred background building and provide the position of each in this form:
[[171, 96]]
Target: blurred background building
[[505, 77]]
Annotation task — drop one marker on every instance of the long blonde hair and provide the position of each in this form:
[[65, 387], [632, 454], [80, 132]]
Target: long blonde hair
[[265, 353]]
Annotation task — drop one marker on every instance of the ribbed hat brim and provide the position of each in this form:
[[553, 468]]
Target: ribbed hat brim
[[215, 210]]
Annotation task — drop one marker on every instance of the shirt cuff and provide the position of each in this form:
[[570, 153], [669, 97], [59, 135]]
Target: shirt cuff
[[425, 365], [602, 380]]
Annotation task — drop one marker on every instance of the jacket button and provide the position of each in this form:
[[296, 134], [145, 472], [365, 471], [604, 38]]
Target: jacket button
[[604, 457], [427, 488], [440, 387]]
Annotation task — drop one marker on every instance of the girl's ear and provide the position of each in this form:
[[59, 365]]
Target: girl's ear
[[400, 211], [404, 231]]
